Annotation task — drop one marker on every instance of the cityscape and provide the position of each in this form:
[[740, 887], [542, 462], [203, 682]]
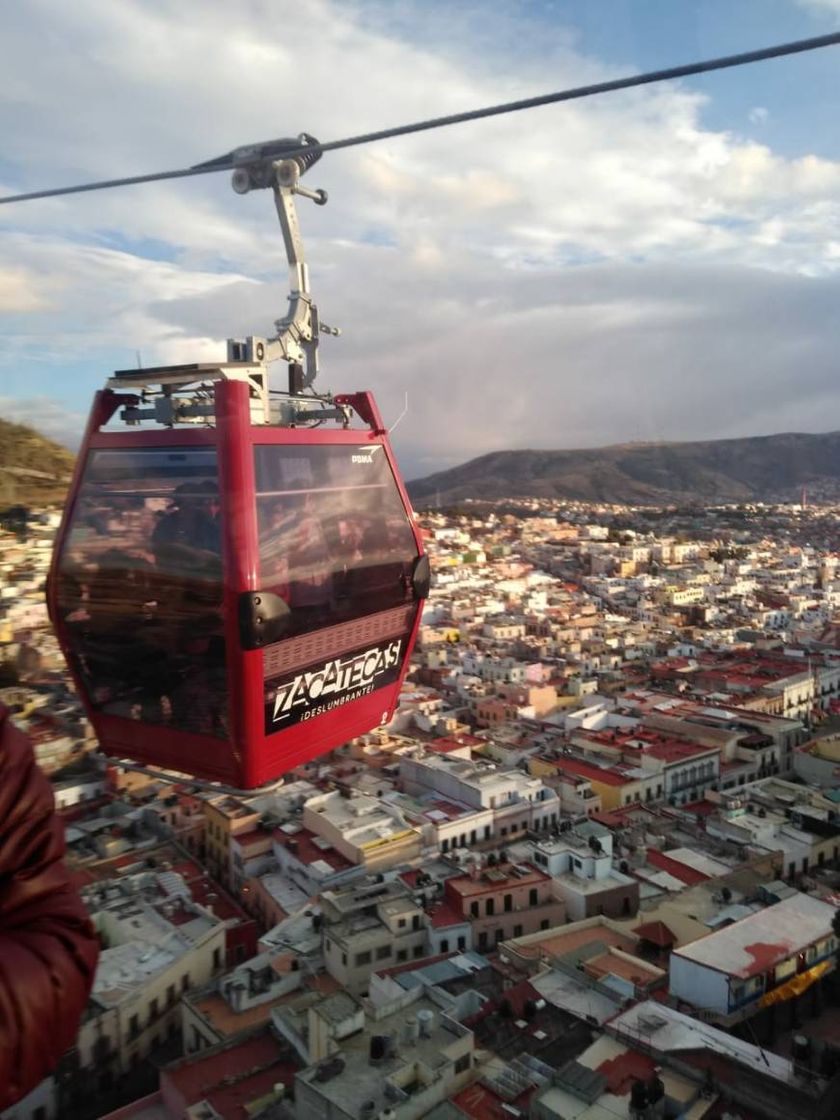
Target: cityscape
[[420, 560], [589, 869]]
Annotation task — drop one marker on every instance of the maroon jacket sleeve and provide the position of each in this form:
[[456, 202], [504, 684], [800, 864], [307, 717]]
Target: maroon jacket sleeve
[[48, 947]]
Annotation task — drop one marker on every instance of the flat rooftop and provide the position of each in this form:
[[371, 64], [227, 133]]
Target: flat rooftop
[[361, 1081], [493, 879], [759, 942], [559, 943], [669, 1031]]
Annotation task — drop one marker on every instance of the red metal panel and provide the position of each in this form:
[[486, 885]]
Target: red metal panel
[[174, 437], [240, 551], [284, 750], [202, 756], [251, 757]]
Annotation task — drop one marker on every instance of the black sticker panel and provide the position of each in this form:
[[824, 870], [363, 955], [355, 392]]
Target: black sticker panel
[[303, 695]]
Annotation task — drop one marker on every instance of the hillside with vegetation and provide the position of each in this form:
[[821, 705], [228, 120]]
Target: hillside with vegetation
[[34, 470], [759, 468]]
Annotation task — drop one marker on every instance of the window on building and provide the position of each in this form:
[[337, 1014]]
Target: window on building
[[533, 896], [462, 943], [444, 944], [474, 909], [462, 1064], [401, 923], [418, 950], [487, 832], [544, 923], [472, 836], [383, 952], [134, 1026], [444, 845], [504, 832], [402, 954], [517, 931], [508, 903], [363, 958], [239, 953], [499, 935], [185, 981], [344, 958], [153, 1009], [415, 921], [482, 940], [490, 907], [217, 958]]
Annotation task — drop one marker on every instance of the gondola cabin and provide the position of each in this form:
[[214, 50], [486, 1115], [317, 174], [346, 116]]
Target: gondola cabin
[[237, 591]]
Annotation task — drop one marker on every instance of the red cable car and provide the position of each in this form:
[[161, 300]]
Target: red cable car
[[237, 588]]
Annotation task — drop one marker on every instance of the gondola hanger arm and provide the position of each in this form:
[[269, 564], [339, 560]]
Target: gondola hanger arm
[[257, 168]]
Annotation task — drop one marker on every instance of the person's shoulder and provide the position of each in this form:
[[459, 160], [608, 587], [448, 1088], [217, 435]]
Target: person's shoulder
[[19, 774], [15, 749]]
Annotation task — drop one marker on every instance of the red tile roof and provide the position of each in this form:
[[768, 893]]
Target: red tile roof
[[257, 837], [481, 1103], [622, 1070], [657, 933], [689, 875], [197, 1076], [454, 743], [443, 915], [608, 777], [303, 847]]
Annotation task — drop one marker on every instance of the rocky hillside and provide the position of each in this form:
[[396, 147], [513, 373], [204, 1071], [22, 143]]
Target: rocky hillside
[[33, 469], [760, 468]]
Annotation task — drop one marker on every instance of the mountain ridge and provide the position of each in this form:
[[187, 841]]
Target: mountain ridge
[[740, 469], [34, 470]]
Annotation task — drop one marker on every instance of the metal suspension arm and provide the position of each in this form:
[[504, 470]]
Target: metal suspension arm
[[296, 341]]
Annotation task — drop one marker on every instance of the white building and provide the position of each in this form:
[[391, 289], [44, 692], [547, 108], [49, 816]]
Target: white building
[[731, 970], [365, 830]]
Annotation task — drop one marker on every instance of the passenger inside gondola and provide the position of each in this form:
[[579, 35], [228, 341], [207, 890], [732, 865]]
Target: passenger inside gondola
[[335, 543], [141, 588]]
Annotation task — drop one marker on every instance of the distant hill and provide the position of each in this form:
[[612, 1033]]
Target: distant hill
[[33, 469], [759, 468]]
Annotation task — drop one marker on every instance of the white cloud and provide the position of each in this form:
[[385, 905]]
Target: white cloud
[[52, 419], [467, 265], [823, 7], [20, 291]]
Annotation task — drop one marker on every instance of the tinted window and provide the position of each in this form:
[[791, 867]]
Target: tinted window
[[140, 587], [335, 541]]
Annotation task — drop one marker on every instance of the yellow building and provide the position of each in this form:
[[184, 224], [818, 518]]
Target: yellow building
[[226, 817]]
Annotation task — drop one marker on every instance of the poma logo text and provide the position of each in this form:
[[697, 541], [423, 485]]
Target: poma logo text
[[335, 683], [365, 454]]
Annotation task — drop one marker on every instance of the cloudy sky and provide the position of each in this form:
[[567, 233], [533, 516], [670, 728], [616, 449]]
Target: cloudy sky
[[656, 264]]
